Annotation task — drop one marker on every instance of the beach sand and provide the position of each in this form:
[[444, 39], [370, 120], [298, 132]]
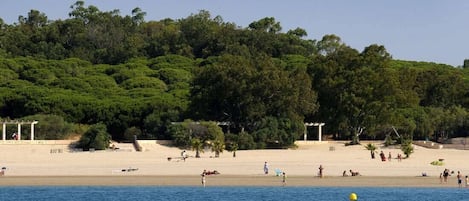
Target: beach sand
[[223, 180], [55, 164]]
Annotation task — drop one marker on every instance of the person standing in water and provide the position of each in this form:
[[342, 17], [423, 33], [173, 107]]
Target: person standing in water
[[203, 178]]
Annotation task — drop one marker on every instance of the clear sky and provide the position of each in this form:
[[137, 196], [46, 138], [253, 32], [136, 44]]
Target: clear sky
[[427, 30]]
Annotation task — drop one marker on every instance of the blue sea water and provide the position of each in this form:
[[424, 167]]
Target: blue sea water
[[188, 193]]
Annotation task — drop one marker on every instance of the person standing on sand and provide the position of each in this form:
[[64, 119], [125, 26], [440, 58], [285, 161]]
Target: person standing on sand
[[320, 171], [184, 155], [389, 157], [459, 176], [383, 157], [266, 168]]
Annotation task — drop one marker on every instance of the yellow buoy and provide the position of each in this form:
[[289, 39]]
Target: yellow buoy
[[353, 197]]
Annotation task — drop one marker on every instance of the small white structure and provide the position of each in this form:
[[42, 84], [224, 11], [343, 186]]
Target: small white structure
[[19, 123], [319, 125]]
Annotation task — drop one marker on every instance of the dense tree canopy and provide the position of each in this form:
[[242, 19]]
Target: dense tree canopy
[[138, 77]]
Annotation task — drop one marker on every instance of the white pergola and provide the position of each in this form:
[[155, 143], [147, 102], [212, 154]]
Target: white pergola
[[319, 125], [19, 123]]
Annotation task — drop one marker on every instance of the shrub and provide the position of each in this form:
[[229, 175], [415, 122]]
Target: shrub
[[95, 138]]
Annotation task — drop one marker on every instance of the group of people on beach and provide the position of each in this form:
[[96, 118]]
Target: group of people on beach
[[383, 157], [446, 173], [207, 172]]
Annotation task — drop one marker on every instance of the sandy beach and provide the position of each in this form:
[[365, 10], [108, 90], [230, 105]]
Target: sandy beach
[[44, 163]]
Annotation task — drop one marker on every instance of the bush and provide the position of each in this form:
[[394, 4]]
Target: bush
[[51, 127], [95, 138], [180, 134], [131, 132]]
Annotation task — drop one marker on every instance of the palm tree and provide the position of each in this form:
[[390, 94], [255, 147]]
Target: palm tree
[[234, 148], [407, 148], [198, 146], [218, 146], [372, 149]]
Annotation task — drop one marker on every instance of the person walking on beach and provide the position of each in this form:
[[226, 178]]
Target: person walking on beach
[[266, 168], [321, 171], [389, 157], [284, 179], [184, 155], [459, 176]]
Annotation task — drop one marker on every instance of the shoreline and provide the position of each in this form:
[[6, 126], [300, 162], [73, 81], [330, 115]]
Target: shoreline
[[227, 180]]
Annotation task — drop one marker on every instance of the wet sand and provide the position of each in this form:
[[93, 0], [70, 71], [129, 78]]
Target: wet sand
[[224, 180]]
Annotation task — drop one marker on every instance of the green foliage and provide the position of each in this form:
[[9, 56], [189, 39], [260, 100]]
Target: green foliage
[[131, 133], [144, 82], [246, 141], [100, 66], [198, 146], [217, 146], [388, 141], [240, 90], [204, 131], [274, 132], [173, 62], [180, 135], [407, 148], [96, 137], [50, 127]]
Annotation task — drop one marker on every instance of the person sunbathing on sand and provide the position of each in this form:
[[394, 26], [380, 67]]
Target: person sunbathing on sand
[[211, 172], [354, 173]]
